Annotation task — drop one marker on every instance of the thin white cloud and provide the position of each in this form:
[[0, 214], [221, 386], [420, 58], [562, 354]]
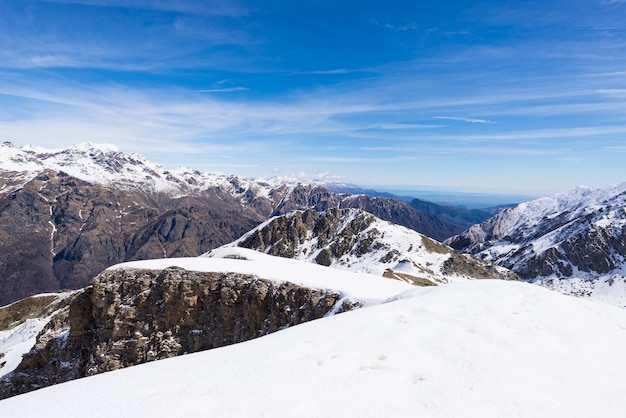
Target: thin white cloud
[[223, 90], [404, 27], [607, 74], [619, 92], [365, 160], [469, 120], [524, 135], [393, 126], [330, 72], [617, 148]]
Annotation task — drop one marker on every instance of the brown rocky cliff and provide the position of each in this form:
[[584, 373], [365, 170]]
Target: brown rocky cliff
[[59, 232], [128, 317]]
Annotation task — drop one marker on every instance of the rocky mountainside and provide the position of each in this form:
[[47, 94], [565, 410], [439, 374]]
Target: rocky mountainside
[[58, 232], [352, 239], [65, 215], [574, 241], [131, 314]]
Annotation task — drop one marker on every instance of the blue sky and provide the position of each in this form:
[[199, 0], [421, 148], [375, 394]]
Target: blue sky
[[521, 97]]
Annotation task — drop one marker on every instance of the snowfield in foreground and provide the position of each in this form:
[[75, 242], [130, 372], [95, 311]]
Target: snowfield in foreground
[[480, 349]]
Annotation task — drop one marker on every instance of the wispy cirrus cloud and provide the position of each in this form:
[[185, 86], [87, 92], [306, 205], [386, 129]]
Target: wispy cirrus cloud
[[462, 119], [404, 27], [195, 35], [394, 126], [223, 90]]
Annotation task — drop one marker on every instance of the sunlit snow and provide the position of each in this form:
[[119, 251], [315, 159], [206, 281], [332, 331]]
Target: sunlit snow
[[470, 349]]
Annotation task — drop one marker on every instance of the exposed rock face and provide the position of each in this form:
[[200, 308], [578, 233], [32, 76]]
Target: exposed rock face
[[353, 239], [402, 213], [127, 317], [320, 199], [58, 232]]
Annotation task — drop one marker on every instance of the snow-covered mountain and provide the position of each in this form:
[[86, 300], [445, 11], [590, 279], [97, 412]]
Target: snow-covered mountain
[[487, 348], [105, 164], [354, 240], [65, 215], [574, 242]]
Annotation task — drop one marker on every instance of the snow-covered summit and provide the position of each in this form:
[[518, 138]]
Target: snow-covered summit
[[15, 159], [107, 165], [580, 201]]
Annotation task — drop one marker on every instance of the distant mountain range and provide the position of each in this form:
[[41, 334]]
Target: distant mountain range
[[67, 214]]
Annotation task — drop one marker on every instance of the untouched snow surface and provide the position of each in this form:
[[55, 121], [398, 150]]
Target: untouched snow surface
[[469, 349]]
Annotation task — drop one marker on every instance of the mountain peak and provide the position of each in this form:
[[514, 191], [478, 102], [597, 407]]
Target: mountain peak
[[88, 146]]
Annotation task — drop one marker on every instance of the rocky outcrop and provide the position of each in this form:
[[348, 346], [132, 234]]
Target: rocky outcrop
[[397, 211], [401, 213], [353, 239], [129, 316]]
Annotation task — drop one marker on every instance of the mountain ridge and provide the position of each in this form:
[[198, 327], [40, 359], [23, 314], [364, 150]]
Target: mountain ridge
[[67, 214], [355, 240], [573, 241]]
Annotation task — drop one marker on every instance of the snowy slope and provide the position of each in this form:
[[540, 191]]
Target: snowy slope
[[356, 286], [471, 349], [572, 241], [16, 342], [354, 240]]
